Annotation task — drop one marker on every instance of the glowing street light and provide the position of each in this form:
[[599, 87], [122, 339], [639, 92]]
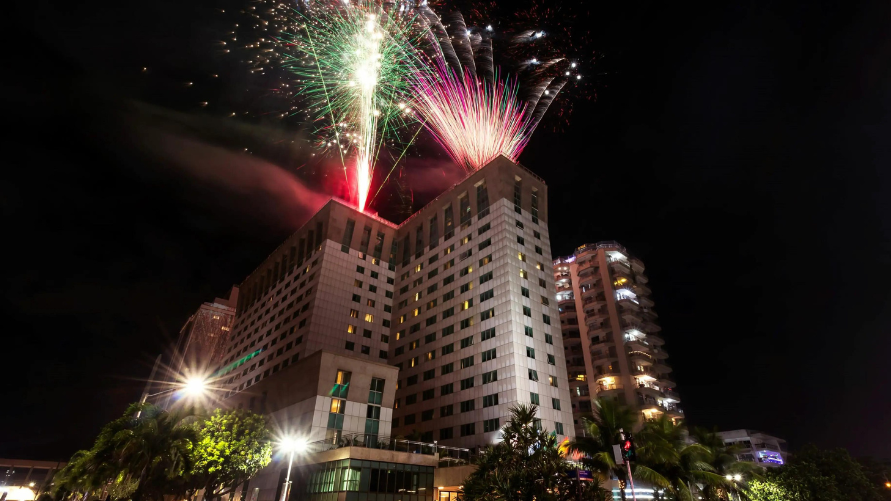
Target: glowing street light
[[193, 387], [291, 445]]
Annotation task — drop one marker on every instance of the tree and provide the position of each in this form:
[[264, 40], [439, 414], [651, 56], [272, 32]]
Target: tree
[[766, 490], [525, 465], [667, 461], [596, 447], [231, 448], [723, 460], [812, 474]]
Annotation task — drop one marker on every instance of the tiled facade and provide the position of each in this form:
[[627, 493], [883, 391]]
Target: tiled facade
[[610, 332], [459, 294]]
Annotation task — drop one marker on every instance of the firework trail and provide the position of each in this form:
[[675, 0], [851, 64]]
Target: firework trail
[[472, 113], [349, 64]]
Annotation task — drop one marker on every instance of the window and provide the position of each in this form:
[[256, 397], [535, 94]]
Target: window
[[533, 375], [487, 334], [464, 255], [519, 223], [521, 240], [491, 425], [428, 375], [360, 269], [400, 350], [449, 348], [489, 294], [446, 410], [430, 321], [466, 304], [552, 380], [486, 260], [429, 338], [468, 429], [467, 322], [465, 240], [468, 341], [448, 331], [555, 403], [537, 248], [427, 395], [448, 312], [372, 288], [485, 278], [357, 283], [354, 313], [366, 350], [382, 354], [448, 296], [427, 415], [446, 433], [356, 298], [446, 389], [466, 287], [521, 256], [467, 362], [467, 405], [558, 427], [430, 355], [414, 345], [486, 315], [542, 283], [431, 304], [414, 328], [484, 228], [413, 362], [523, 274], [530, 352], [410, 419], [350, 345], [467, 383], [488, 355], [549, 339], [534, 398], [376, 393], [352, 329], [412, 380], [411, 399], [552, 360], [465, 271], [374, 274], [447, 280], [448, 264], [528, 330], [546, 319], [490, 400], [490, 377], [369, 318], [447, 368], [524, 291], [485, 243], [545, 301], [527, 311], [385, 338]]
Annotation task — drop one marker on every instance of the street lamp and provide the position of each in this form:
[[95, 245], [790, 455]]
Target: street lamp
[[193, 387], [734, 478], [290, 445]]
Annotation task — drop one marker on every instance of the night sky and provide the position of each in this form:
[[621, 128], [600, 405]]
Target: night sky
[[739, 149]]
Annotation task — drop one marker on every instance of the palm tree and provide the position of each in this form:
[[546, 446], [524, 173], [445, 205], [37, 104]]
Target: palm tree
[[667, 461], [154, 450], [603, 430], [723, 458]]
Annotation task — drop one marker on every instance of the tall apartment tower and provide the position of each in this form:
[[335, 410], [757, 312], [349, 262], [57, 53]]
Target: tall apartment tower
[[204, 338], [457, 298], [610, 334]]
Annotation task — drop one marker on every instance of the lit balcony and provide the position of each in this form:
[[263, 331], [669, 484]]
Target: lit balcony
[[671, 395], [608, 390], [645, 390], [620, 266], [645, 373], [638, 345]]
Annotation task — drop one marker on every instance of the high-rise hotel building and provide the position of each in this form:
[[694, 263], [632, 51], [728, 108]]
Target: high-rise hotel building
[[610, 332], [459, 298]]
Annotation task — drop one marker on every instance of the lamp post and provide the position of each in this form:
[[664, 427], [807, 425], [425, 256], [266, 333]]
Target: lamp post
[[192, 387], [290, 446], [734, 478]]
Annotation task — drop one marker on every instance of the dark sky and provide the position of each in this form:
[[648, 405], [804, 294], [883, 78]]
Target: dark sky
[[738, 148]]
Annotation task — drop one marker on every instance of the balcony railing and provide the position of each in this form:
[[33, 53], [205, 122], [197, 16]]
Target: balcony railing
[[451, 456]]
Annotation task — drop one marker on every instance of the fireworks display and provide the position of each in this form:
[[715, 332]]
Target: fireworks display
[[364, 75]]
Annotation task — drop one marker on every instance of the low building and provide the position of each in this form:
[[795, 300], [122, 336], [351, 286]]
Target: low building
[[756, 447], [25, 479], [340, 408]]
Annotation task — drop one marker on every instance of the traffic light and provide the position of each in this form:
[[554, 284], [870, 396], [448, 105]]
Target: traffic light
[[628, 452]]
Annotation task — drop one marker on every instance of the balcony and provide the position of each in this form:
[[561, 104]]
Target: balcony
[[655, 340], [666, 381], [628, 304], [659, 354], [645, 390], [662, 368], [645, 373], [645, 301], [672, 395], [638, 345], [620, 266], [636, 264], [591, 292], [608, 390], [587, 269]]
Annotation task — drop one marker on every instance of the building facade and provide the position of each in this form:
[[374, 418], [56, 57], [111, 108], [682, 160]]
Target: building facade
[[204, 338], [458, 298], [610, 332], [756, 447]]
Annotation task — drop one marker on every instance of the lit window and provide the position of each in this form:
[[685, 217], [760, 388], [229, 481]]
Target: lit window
[[521, 256], [354, 313], [369, 317], [352, 329], [523, 274]]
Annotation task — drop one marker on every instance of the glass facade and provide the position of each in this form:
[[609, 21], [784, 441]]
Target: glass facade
[[368, 481]]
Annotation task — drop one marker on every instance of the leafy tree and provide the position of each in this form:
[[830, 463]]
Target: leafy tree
[[525, 465], [812, 474], [766, 490], [232, 447], [723, 460]]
